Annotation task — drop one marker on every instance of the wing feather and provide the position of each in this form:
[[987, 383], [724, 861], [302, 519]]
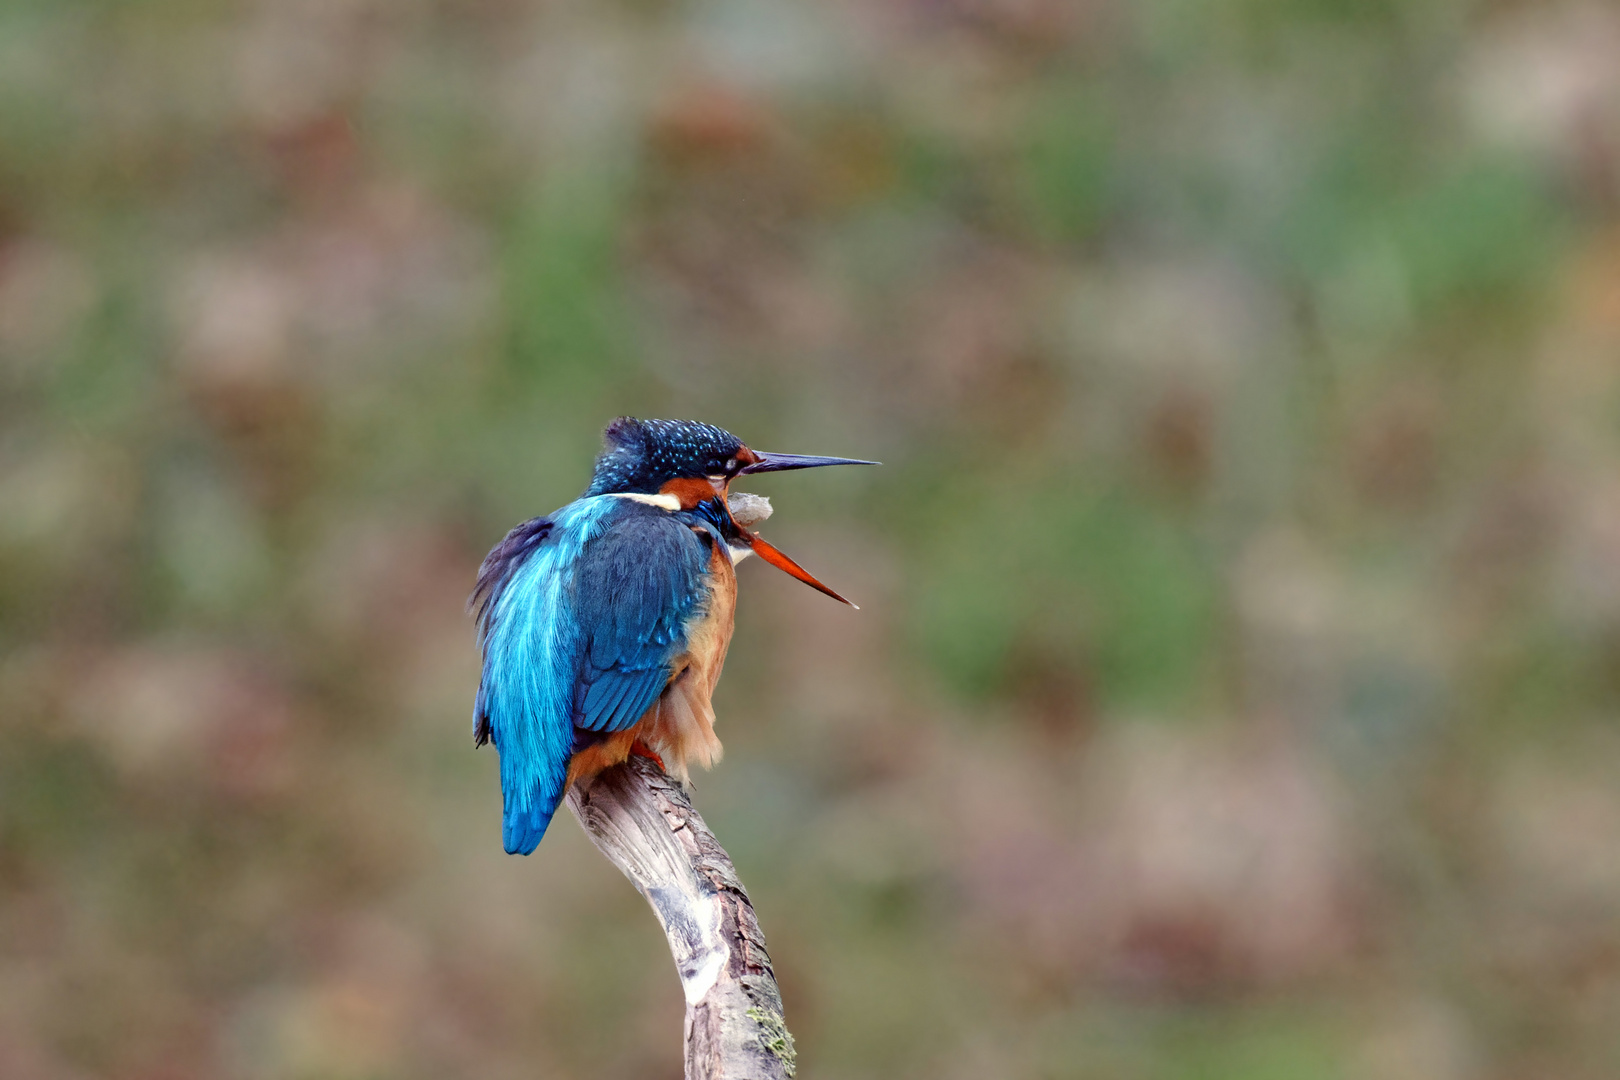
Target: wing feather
[[580, 616], [637, 589]]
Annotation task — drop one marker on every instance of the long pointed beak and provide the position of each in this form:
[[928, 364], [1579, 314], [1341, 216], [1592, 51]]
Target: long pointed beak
[[783, 462], [782, 562]]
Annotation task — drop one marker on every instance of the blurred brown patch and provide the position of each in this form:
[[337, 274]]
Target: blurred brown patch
[[237, 372], [704, 122], [856, 162], [973, 346], [45, 290], [1502, 546], [190, 715], [1394, 445], [1180, 438], [1193, 865], [317, 158], [1053, 683], [1033, 28], [1596, 285], [394, 590]]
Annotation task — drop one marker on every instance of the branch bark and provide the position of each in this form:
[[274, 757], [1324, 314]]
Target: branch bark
[[643, 821]]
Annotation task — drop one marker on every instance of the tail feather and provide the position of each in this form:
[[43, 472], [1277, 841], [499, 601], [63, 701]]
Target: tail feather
[[523, 827], [528, 804]]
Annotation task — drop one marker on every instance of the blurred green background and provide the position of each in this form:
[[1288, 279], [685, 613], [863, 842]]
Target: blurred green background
[[1235, 690]]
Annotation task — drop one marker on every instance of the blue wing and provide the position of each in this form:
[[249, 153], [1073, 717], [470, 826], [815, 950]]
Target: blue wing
[[634, 590], [581, 615]]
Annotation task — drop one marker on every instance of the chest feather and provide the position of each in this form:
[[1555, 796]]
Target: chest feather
[[709, 635]]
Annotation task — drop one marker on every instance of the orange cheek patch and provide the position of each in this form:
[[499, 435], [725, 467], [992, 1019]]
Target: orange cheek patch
[[691, 490]]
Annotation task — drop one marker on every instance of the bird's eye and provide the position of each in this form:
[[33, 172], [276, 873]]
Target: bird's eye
[[731, 466]]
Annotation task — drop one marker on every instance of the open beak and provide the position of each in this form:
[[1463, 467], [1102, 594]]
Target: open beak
[[782, 562], [783, 462]]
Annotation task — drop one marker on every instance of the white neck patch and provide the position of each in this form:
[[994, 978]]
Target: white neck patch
[[663, 502]]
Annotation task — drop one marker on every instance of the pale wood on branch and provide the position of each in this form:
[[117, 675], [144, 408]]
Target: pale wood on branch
[[643, 821]]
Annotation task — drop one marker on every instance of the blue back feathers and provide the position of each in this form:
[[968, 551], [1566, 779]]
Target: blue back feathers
[[580, 616], [498, 567]]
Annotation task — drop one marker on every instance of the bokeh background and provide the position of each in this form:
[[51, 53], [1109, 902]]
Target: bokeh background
[[1236, 684]]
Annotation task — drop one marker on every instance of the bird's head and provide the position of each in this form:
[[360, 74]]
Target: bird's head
[[695, 464]]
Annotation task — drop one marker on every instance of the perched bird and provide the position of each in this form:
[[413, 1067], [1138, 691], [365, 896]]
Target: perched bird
[[605, 624]]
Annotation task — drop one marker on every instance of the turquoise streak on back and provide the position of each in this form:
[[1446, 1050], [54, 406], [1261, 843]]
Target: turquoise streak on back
[[531, 662]]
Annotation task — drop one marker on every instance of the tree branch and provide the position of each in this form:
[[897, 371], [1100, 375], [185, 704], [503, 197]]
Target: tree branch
[[644, 823]]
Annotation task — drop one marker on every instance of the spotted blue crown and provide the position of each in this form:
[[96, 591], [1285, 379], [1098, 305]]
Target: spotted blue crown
[[641, 455]]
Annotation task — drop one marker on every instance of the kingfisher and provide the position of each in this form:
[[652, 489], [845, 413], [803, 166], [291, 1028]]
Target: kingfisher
[[604, 625]]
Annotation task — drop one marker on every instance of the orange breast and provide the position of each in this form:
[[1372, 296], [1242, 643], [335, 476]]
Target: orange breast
[[679, 727]]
